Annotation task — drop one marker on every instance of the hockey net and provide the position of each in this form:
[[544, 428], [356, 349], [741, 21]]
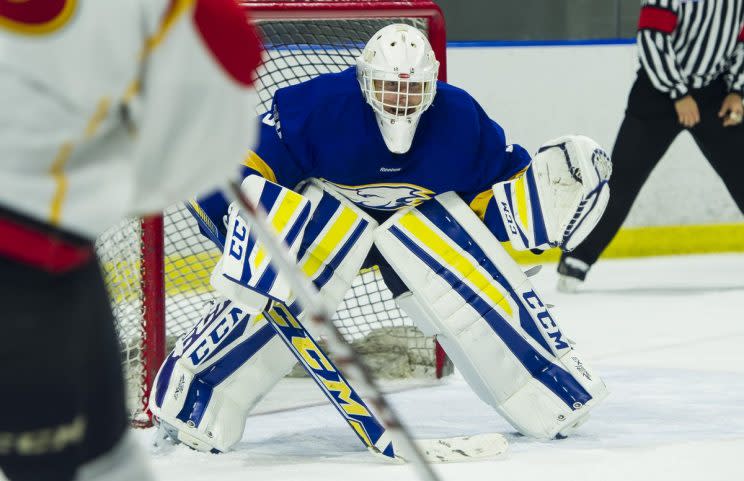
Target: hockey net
[[157, 269]]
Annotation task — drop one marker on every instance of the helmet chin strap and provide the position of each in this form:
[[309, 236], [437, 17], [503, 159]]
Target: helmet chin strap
[[398, 133]]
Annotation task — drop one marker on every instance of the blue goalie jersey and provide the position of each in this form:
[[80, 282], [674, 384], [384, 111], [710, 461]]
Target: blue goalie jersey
[[324, 129]]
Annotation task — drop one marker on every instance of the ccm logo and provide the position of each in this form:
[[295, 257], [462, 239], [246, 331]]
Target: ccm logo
[[316, 360], [547, 322], [509, 219], [217, 332], [238, 237]]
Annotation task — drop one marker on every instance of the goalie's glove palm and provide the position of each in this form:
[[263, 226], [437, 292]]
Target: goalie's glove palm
[[560, 197], [572, 173]]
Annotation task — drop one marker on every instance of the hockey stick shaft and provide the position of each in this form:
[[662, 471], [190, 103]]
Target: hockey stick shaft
[[317, 311], [321, 369]]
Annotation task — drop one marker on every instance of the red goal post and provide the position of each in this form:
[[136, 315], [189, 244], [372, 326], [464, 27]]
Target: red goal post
[[157, 268]]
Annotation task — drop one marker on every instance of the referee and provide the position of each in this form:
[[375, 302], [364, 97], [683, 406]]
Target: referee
[[691, 78]]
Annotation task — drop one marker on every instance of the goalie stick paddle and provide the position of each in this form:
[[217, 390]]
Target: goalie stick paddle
[[345, 355]]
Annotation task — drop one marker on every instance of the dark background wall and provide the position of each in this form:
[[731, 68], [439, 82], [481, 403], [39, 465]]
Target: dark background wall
[[482, 20]]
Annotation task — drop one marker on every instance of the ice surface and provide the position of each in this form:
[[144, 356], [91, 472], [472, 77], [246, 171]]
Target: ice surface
[[667, 335]]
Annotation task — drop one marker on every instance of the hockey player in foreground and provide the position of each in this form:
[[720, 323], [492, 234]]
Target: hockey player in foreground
[[388, 166], [102, 106]]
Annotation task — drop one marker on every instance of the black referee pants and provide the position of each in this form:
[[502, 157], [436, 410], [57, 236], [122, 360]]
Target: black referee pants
[[649, 127]]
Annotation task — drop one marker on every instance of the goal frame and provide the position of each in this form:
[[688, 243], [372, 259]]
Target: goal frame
[[152, 268]]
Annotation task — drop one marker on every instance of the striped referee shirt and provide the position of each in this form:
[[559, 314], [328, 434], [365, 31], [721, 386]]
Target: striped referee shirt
[[686, 44]]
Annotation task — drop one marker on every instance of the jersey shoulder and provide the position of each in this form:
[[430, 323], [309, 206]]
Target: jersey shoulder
[[321, 92], [452, 91], [315, 110], [457, 111], [454, 100]]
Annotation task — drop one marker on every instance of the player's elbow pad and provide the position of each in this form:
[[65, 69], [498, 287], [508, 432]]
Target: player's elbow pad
[[560, 197]]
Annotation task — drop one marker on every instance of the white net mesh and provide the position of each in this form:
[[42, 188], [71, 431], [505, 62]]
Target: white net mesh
[[298, 50]]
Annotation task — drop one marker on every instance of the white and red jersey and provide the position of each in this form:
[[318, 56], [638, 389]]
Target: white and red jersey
[[119, 107]]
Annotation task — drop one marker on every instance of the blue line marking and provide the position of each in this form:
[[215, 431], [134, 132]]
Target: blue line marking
[[354, 47], [541, 43]]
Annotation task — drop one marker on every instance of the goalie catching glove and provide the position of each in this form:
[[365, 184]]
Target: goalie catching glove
[[560, 197]]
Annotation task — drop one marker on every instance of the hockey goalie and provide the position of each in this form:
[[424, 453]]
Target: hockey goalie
[[382, 164]]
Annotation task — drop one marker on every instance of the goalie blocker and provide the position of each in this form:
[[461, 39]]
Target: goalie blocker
[[467, 291]]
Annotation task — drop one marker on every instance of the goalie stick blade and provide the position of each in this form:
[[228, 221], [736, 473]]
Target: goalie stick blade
[[460, 449]]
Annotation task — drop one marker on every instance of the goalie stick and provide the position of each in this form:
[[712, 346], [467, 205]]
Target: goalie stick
[[340, 392], [418, 453], [344, 352], [319, 367]]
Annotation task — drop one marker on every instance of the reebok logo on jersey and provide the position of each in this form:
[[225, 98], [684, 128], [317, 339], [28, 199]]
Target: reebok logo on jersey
[[390, 169]]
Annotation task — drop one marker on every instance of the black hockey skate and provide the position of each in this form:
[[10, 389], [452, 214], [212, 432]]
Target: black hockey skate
[[571, 273]]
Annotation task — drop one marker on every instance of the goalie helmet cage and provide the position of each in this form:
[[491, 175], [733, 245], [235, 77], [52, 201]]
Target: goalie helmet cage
[[157, 268]]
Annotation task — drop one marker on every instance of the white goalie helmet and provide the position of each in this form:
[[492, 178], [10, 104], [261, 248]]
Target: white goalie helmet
[[397, 72]]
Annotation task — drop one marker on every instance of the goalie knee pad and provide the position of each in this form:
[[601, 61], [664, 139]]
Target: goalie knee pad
[[335, 242], [468, 292], [244, 272], [329, 235], [216, 374]]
